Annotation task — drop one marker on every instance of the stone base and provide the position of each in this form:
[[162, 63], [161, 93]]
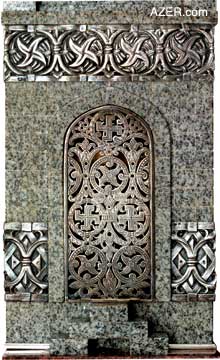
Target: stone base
[[44, 357], [109, 338], [94, 330], [107, 330]]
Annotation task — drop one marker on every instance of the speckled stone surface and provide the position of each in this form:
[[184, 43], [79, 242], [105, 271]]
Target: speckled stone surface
[[34, 188], [114, 12], [182, 323], [76, 346], [155, 345], [78, 100], [57, 6], [28, 323], [19, 5], [37, 117]]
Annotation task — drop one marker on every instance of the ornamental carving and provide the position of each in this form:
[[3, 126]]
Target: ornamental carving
[[193, 261], [26, 264], [88, 52], [108, 164]]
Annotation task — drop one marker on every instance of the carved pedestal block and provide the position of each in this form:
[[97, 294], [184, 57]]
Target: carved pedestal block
[[193, 262], [26, 263]]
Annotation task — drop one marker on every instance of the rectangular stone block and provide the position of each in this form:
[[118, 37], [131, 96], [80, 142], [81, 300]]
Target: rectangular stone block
[[183, 214], [19, 5], [185, 198], [139, 332], [205, 214], [27, 323], [183, 177], [156, 345], [109, 347], [101, 329], [162, 251], [76, 346], [112, 313], [98, 329], [63, 315]]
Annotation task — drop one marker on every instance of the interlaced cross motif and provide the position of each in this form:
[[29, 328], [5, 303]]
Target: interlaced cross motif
[[131, 216], [88, 218], [108, 128]]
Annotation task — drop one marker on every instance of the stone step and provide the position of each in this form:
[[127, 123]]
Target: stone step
[[137, 345], [98, 329], [157, 344], [77, 346], [62, 316]]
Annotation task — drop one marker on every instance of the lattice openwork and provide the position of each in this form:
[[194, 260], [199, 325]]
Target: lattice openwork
[[108, 164]]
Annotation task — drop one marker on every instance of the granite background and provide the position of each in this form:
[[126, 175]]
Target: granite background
[[107, 12], [37, 117], [180, 116]]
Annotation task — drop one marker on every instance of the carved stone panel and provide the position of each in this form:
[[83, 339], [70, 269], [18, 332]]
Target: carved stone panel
[[119, 52], [193, 261], [108, 164], [26, 264]]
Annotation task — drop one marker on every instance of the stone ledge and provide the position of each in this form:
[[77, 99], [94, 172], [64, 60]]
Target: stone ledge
[[42, 18]]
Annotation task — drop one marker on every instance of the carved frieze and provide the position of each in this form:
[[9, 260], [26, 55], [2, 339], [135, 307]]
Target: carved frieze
[[108, 174], [26, 261], [88, 52], [193, 261]]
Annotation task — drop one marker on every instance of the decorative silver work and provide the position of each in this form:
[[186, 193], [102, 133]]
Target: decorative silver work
[[26, 264], [108, 204], [193, 261], [88, 52]]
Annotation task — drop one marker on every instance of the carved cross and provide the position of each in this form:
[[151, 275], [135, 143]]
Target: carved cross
[[89, 218], [108, 128], [131, 217]]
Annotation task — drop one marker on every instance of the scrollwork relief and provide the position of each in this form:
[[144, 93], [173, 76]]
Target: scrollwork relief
[[108, 173], [71, 52]]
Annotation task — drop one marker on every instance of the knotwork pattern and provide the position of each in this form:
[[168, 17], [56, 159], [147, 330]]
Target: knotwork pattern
[[193, 261], [73, 53], [108, 204], [26, 264]]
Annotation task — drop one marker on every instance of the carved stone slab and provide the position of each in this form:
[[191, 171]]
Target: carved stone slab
[[109, 212], [26, 261], [193, 261], [118, 52]]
